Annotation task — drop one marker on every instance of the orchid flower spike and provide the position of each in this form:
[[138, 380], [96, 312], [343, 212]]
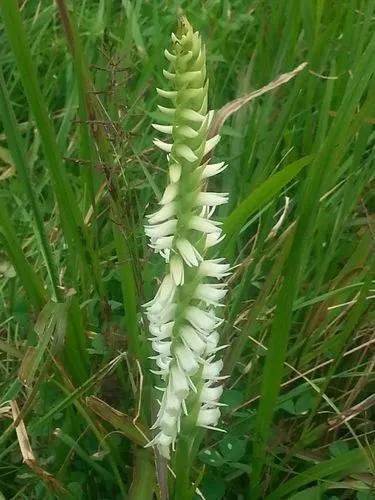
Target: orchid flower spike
[[182, 319]]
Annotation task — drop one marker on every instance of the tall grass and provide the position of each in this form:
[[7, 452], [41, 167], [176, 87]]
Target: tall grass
[[77, 173]]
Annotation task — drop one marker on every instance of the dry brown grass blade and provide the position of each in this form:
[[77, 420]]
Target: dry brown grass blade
[[6, 411], [304, 374], [8, 172], [24, 370], [231, 107], [119, 420], [27, 452], [351, 412]]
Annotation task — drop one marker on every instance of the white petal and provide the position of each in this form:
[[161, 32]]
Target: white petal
[[163, 145], [201, 320], [177, 269], [207, 211], [201, 57], [192, 340], [163, 443], [164, 213], [210, 144], [164, 294], [168, 75], [165, 129], [211, 294], [163, 348], [203, 108], [208, 416], [188, 252], [162, 243], [213, 169], [212, 370], [213, 239], [185, 152], [164, 440], [191, 115], [162, 331], [210, 116], [168, 424], [166, 228], [169, 56], [211, 394], [157, 333], [172, 404], [167, 289], [204, 225], [174, 38], [167, 328], [212, 342], [179, 384], [187, 131], [160, 373], [169, 94], [170, 194], [174, 172], [195, 93], [186, 360], [170, 112], [155, 308], [163, 362], [188, 76], [214, 268], [186, 58], [212, 199], [162, 316], [165, 316]]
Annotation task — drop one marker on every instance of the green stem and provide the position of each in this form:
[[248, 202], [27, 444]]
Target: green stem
[[142, 487], [185, 451], [183, 486]]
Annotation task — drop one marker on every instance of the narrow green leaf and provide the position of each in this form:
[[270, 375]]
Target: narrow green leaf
[[75, 355], [129, 291], [74, 445], [302, 243], [71, 217], [18, 154], [30, 281], [263, 194], [347, 463]]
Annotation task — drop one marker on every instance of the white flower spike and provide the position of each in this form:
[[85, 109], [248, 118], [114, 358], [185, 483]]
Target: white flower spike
[[182, 322]]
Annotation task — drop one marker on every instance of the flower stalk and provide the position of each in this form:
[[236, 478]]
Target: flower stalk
[[182, 320]]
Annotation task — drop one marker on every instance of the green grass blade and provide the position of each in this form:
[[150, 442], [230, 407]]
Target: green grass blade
[[75, 356], [86, 146], [128, 287], [19, 158], [346, 463], [303, 241], [30, 281], [71, 217], [237, 346], [352, 322], [262, 194]]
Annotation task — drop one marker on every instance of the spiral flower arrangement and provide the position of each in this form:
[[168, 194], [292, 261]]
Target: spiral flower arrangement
[[182, 319]]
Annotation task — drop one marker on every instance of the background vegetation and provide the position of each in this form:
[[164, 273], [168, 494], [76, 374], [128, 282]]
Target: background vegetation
[[78, 173]]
